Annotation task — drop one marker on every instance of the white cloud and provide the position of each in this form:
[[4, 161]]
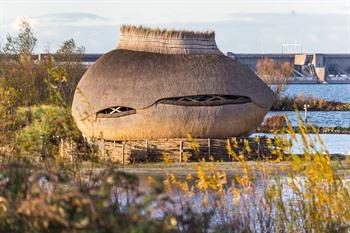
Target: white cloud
[[244, 32]]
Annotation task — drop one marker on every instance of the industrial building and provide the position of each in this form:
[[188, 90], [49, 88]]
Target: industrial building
[[308, 68]]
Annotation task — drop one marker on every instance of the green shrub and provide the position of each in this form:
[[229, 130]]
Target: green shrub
[[41, 128]]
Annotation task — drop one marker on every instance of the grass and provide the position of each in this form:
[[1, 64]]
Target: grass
[[40, 191], [294, 193], [290, 103]]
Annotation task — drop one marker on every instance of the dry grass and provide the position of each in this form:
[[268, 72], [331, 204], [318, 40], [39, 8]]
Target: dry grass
[[275, 122], [290, 103], [166, 33], [287, 194]]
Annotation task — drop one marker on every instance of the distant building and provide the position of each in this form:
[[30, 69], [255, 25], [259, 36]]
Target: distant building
[[308, 68]]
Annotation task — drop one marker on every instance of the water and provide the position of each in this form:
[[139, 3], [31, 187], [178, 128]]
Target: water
[[321, 119], [334, 143], [332, 92]]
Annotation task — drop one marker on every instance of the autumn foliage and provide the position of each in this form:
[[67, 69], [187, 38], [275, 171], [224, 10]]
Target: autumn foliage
[[274, 73]]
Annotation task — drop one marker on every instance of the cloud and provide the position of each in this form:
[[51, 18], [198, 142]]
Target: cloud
[[63, 19], [244, 32], [72, 18]]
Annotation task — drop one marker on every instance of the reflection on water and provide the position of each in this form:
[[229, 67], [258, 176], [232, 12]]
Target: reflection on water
[[321, 119], [335, 92], [334, 143]]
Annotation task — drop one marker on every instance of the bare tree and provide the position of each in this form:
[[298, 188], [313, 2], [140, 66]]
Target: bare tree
[[275, 74]]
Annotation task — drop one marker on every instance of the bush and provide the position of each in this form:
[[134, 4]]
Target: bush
[[41, 128], [275, 122]]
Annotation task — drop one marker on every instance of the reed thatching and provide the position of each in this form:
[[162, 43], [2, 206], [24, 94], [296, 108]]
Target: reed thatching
[[166, 33], [167, 41], [138, 80]]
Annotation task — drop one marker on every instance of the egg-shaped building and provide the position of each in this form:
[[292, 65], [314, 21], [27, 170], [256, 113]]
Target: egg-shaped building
[[167, 84]]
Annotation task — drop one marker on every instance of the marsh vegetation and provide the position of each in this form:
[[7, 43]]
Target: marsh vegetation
[[43, 191]]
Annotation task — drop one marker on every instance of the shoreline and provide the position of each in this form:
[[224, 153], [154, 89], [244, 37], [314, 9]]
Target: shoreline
[[321, 130], [230, 168]]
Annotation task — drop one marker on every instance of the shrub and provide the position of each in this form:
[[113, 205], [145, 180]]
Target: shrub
[[41, 127], [275, 122]]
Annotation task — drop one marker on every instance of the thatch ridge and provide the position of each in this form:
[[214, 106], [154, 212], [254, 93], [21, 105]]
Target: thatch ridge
[[164, 41], [166, 33]]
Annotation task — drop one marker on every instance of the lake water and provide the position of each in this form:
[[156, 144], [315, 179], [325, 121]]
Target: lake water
[[335, 92], [332, 92], [321, 119], [335, 143]]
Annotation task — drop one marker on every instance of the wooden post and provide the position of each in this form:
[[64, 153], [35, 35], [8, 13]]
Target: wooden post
[[209, 148], [147, 150], [181, 151], [113, 152], [123, 149], [103, 149]]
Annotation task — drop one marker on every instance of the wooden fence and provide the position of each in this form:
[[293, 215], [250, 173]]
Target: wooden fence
[[179, 150]]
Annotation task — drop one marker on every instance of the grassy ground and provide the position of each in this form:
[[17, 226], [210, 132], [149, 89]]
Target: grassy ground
[[232, 168]]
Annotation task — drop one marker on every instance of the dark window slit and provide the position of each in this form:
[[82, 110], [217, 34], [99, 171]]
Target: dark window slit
[[205, 100], [117, 111]]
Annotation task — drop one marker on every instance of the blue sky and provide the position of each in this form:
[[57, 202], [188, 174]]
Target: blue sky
[[240, 25]]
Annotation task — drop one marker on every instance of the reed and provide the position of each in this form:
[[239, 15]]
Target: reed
[[166, 33]]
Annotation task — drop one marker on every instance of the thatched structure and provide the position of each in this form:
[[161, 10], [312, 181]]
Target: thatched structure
[[166, 84]]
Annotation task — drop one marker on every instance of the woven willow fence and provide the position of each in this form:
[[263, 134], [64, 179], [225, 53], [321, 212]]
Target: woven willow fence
[[178, 150]]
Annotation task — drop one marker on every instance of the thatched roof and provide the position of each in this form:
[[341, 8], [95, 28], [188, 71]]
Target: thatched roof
[[166, 33], [167, 41], [136, 85], [139, 79]]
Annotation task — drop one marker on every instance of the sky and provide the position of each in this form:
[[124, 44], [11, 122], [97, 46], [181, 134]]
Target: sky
[[241, 26]]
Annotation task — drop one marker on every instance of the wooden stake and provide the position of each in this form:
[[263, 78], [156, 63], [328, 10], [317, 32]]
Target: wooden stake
[[209, 148], [181, 151], [147, 150], [123, 156], [103, 149]]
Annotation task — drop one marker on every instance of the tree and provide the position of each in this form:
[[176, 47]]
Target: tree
[[70, 68], [23, 43], [275, 74], [70, 49]]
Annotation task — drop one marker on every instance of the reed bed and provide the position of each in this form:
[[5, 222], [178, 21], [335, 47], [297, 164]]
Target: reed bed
[[290, 103], [58, 195]]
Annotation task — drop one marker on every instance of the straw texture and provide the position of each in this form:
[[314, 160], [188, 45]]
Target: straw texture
[[167, 41], [139, 79]]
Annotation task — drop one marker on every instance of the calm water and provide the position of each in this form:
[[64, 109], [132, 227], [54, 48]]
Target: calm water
[[335, 143], [322, 119], [336, 92], [333, 92]]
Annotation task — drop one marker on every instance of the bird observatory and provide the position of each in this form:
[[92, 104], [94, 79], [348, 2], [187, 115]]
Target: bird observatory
[[160, 86]]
